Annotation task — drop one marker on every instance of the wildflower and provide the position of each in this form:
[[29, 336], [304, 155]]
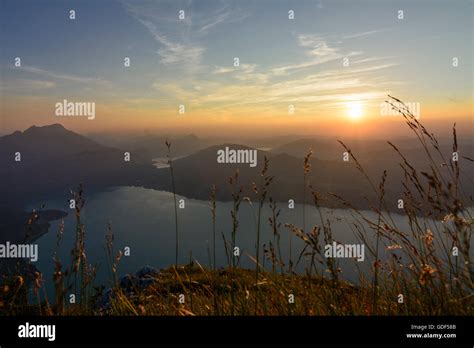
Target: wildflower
[[448, 217], [428, 237], [377, 264], [307, 166], [142, 309], [39, 282], [426, 272], [117, 260]]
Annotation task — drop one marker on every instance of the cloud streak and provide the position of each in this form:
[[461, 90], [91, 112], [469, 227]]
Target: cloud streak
[[319, 52], [28, 84], [362, 34], [65, 77], [221, 15], [172, 52]]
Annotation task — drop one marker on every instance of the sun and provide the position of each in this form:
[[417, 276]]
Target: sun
[[354, 110]]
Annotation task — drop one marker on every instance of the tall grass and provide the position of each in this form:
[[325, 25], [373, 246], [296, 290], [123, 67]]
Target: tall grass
[[173, 187], [213, 215], [261, 193]]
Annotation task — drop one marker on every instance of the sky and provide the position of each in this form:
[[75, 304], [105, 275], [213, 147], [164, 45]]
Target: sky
[[333, 64]]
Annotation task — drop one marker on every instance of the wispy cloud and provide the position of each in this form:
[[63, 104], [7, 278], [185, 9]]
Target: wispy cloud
[[222, 17], [36, 84], [319, 52], [362, 34], [172, 52], [65, 77], [223, 14], [318, 47], [181, 93], [223, 70], [27, 84], [371, 59], [162, 25], [327, 86], [242, 72]]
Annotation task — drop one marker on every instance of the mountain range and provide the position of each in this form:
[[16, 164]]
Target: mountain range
[[55, 160]]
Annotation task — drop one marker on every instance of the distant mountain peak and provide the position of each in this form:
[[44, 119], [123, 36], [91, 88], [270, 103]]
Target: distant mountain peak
[[50, 141], [190, 136], [54, 126]]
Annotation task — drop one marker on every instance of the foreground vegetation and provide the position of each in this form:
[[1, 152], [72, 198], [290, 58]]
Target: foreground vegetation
[[195, 290], [426, 270]]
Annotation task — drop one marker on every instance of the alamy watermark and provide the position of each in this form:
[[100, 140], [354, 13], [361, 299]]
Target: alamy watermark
[[67, 108], [28, 330], [22, 251], [228, 155], [336, 250]]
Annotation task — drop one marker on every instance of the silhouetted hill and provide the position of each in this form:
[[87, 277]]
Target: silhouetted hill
[[372, 149], [55, 160], [195, 174], [40, 143]]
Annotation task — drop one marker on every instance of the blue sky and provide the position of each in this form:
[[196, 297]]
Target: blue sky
[[190, 61]]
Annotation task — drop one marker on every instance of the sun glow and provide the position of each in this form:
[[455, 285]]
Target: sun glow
[[354, 110]]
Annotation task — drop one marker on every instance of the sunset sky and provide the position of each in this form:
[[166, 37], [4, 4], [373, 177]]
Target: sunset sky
[[283, 62]]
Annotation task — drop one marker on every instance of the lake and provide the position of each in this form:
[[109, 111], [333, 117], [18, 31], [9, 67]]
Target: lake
[[143, 220]]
